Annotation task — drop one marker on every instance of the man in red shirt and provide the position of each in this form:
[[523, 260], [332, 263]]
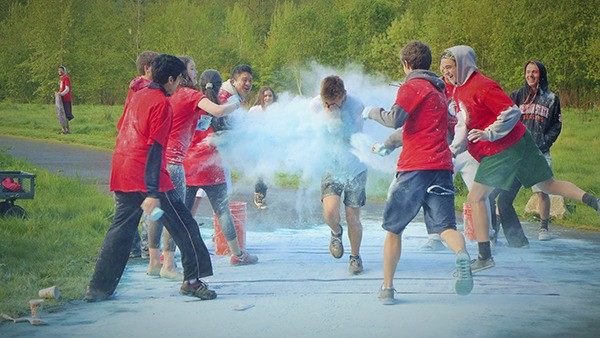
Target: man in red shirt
[[424, 172], [500, 142], [65, 95], [141, 182]]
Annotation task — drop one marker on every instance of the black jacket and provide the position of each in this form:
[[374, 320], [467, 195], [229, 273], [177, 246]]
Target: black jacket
[[540, 111]]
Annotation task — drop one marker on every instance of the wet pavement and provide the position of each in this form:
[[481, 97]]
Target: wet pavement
[[551, 289]]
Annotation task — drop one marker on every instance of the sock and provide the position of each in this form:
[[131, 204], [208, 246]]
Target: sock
[[544, 224], [484, 250], [357, 256], [590, 200], [339, 234]]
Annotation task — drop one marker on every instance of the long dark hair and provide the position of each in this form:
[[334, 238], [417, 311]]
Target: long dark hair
[[260, 97], [185, 79], [210, 84]]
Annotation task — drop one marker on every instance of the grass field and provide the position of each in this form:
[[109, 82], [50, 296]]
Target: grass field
[[59, 242]]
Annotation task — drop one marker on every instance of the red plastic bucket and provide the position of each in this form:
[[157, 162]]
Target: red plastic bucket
[[238, 212], [469, 230]]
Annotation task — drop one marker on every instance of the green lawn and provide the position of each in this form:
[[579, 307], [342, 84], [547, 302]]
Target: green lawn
[[59, 242]]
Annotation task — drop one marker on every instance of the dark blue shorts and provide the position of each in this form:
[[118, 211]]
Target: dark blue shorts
[[431, 189]]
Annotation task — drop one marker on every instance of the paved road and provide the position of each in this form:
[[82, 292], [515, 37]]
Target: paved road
[[297, 290]]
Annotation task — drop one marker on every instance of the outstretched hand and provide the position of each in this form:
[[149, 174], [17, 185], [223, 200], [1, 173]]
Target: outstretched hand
[[368, 110], [379, 149]]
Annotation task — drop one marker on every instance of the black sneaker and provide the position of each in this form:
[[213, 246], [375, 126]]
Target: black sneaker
[[198, 289], [94, 295], [482, 264]]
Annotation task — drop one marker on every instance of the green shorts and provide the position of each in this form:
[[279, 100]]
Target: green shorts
[[523, 160]]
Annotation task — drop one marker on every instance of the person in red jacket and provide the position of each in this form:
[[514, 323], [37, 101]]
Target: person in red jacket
[[139, 247], [424, 172], [204, 169], [502, 144], [141, 182]]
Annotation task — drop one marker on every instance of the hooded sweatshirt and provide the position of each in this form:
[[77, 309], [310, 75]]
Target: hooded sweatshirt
[[421, 110], [540, 110], [486, 105]]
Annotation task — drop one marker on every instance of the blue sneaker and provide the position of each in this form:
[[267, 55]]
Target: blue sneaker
[[464, 280]]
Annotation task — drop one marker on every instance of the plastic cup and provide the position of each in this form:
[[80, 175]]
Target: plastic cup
[[50, 293], [36, 306], [156, 214]]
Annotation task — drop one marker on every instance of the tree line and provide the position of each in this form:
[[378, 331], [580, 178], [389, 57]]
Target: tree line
[[99, 40]]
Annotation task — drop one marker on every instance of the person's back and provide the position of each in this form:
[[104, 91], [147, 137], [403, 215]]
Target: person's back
[[424, 146], [131, 148], [185, 117]]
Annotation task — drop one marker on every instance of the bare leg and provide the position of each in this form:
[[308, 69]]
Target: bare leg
[[478, 199], [392, 248], [563, 188], [355, 230], [454, 240], [331, 212]]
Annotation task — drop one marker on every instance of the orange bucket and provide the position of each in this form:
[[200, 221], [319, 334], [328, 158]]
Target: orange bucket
[[238, 212], [469, 230]]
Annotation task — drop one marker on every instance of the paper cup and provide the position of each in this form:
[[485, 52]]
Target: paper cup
[[50, 293], [36, 306]]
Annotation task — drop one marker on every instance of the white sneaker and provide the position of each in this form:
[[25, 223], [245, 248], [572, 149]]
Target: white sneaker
[[433, 245], [544, 235]]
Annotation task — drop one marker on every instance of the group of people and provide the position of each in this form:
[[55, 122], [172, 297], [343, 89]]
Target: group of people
[[163, 156]]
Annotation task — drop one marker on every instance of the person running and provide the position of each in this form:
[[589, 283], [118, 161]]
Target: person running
[[345, 174], [204, 169], [424, 172], [266, 96], [140, 182], [502, 144]]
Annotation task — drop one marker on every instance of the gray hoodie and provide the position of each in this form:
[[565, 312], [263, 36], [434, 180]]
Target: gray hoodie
[[465, 67]]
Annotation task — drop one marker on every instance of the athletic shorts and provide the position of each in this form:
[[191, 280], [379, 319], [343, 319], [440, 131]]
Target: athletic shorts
[[548, 158], [433, 190], [523, 161], [353, 189]]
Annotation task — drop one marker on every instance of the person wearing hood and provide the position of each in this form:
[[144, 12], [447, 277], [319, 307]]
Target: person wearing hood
[[139, 247], [500, 142], [540, 112], [424, 171]]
